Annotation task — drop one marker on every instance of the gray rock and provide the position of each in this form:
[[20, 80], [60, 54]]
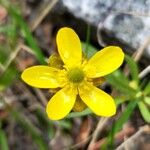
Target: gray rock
[[132, 31], [123, 22]]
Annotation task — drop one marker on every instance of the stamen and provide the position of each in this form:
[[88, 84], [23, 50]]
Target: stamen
[[75, 75]]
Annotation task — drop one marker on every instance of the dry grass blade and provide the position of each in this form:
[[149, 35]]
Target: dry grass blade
[[144, 72], [13, 55], [137, 55], [46, 7]]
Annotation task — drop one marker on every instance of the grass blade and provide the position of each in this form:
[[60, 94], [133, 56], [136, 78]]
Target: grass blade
[[147, 100], [3, 141], [147, 89], [87, 40], [133, 67], [144, 111], [91, 50]]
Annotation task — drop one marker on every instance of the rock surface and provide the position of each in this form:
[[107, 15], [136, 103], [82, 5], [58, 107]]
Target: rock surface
[[123, 22]]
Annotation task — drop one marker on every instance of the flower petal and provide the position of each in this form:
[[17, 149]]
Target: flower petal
[[61, 103], [97, 100], [104, 62], [69, 47], [43, 77]]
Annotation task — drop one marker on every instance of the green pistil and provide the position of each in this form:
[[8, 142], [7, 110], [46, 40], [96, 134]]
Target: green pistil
[[75, 75]]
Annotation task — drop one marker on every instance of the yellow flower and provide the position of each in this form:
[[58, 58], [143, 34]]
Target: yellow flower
[[76, 77]]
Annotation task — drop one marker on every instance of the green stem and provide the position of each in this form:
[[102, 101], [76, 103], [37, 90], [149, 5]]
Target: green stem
[[87, 39]]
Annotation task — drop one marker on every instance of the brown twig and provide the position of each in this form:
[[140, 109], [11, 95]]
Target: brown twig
[[102, 122], [143, 129]]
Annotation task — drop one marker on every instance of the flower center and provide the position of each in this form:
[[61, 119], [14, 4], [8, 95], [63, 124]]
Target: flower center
[[75, 75]]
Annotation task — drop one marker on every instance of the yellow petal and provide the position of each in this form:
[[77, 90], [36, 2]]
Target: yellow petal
[[104, 62], [43, 77], [97, 100], [61, 103], [69, 47]]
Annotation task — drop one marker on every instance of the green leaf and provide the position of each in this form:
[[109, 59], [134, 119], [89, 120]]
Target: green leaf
[[3, 141], [87, 39], [144, 111], [121, 77], [119, 100], [147, 100], [133, 68], [120, 82], [147, 89], [119, 123], [79, 114], [65, 124], [91, 49]]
